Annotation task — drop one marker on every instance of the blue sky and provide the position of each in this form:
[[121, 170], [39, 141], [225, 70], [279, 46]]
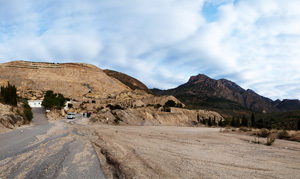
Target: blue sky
[[254, 43]]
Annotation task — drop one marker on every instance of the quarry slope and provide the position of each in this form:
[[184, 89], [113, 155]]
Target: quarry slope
[[70, 79]]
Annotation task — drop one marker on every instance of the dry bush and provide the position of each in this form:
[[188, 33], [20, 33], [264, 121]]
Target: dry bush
[[244, 129], [226, 130], [274, 131], [283, 135], [295, 137], [263, 133], [270, 141], [256, 141]]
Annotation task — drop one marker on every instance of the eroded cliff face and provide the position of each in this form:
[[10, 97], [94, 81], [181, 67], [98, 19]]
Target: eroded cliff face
[[9, 118], [71, 79], [148, 116]]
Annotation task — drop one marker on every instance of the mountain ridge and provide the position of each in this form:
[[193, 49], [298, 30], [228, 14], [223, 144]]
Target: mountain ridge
[[201, 89]]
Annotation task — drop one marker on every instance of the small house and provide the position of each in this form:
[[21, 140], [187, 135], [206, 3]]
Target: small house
[[35, 103]]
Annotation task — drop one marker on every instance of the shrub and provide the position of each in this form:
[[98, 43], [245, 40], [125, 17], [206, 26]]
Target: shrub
[[244, 129], [93, 101], [264, 133], [270, 141], [295, 137], [283, 135], [53, 100], [27, 112], [113, 107], [256, 141], [170, 103], [157, 106], [166, 109], [70, 105]]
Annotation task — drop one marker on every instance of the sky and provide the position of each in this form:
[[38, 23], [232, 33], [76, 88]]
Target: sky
[[254, 43]]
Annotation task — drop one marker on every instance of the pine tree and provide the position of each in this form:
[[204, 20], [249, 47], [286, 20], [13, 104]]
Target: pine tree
[[233, 122], [209, 122], [221, 123], [253, 120], [9, 94], [244, 121], [214, 121]]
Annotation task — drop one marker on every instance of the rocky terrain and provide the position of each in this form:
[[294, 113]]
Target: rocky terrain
[[9, 118], [203, 91], [127, 80], [86, 85], [149, 116]]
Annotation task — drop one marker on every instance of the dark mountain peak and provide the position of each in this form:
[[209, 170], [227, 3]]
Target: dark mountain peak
[[198, 78], [288, 104]]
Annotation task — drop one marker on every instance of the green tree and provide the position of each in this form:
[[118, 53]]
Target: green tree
[[232, 123], [27, 111], [244, 121], [53, 100], [252, 120], [221, 123], [237, 122], [9, 94], [209, 123], [170, 103], [214, 121]]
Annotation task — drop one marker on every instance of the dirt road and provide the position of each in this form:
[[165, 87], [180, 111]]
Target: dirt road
[[51, 150], [186, 152]]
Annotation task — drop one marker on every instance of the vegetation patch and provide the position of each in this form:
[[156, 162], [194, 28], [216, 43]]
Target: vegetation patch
[[53, 100]]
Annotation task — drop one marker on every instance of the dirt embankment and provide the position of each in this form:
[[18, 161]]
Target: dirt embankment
[[9, 118], [188, 152], [149, 116]]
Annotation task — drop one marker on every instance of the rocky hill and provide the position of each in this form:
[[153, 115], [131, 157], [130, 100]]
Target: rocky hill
[[71, 79], [87, 85], [203, 91], [287, 104], [128, 80]]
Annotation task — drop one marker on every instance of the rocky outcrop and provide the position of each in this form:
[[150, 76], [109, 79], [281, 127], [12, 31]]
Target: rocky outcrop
[[127, 80], [201, 90], [9, 117], [148, 116]]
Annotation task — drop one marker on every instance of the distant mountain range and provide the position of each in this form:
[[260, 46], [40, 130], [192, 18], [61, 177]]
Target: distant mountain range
[[88, 81], [202, 91]]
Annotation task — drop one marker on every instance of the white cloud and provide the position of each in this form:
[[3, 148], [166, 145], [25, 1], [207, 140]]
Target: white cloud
[[252, 42]]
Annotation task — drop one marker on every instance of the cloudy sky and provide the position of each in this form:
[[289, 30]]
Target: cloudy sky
[[255, 43]]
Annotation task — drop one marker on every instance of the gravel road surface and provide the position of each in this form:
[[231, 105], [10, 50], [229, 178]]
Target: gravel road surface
[[48, 150]]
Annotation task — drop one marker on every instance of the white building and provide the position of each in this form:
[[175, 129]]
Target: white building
[[35, 103]]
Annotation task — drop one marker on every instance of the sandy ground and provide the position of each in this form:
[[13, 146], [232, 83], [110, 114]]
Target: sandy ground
[[187, 152]]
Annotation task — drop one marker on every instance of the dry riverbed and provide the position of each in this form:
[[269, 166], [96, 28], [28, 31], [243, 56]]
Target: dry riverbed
[[187, 152]]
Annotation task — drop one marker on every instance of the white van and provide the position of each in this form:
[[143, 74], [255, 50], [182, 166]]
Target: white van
[[71, 115]]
